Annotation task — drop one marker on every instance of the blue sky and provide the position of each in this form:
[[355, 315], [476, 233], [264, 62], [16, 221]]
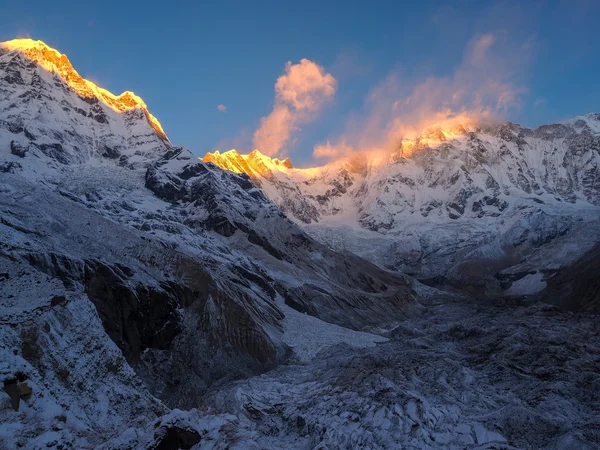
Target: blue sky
[[186, 58]]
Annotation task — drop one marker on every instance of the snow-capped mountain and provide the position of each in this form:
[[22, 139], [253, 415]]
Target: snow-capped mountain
[[58, 126], [51, 111], [136, 279], [187, 269], [460, 203]]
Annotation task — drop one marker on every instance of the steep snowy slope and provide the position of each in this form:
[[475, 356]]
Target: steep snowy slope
[[460, 205], [50, 111]]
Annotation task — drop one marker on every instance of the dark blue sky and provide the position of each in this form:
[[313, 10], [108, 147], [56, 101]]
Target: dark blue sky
[[185, 58]]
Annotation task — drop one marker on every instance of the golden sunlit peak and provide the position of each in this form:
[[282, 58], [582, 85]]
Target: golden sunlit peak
[[429, 137], [25, 44], [53, 61], [254, 164], [257, 155], [233, 153]]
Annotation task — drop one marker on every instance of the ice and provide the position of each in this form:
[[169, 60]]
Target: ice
[[307, 335]]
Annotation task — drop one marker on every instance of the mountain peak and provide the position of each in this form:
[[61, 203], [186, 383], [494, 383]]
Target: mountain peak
[[53, 61], [257, 154], [26, 44], [255, 164]]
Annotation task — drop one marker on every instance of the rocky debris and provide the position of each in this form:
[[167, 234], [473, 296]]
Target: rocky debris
[[458, 376]]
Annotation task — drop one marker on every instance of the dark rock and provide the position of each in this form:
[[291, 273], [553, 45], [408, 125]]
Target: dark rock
[[165, 185], [54, 151], [576, 287], [68, 270], [13, 127], [58, 300], [192, 170], [111, 153], [10, 167], [29, 135], [135, 318], [17, 391], [17, 149], [175, 438], [13, 76]]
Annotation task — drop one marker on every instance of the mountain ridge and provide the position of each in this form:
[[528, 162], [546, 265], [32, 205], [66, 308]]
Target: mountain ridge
[[439, 203], [432, 139], [55, 62]]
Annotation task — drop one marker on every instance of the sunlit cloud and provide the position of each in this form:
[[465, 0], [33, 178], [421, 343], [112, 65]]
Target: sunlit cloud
[[299, 96], [485, 86], [221, 108]]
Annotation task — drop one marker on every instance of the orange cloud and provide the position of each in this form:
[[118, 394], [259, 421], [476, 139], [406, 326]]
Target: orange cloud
[[484, 87], [299, 95]]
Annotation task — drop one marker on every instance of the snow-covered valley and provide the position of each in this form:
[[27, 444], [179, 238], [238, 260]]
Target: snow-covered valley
[[149, 299]]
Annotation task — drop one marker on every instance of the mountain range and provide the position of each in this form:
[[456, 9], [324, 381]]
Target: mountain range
[[151, 299], [467, 206]]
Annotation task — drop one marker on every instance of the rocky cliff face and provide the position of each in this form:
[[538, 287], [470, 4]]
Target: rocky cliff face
[[231, 205]]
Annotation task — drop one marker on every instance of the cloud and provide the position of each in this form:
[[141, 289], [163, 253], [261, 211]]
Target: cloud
[[299, 95], [485, 86], [222, 108]]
